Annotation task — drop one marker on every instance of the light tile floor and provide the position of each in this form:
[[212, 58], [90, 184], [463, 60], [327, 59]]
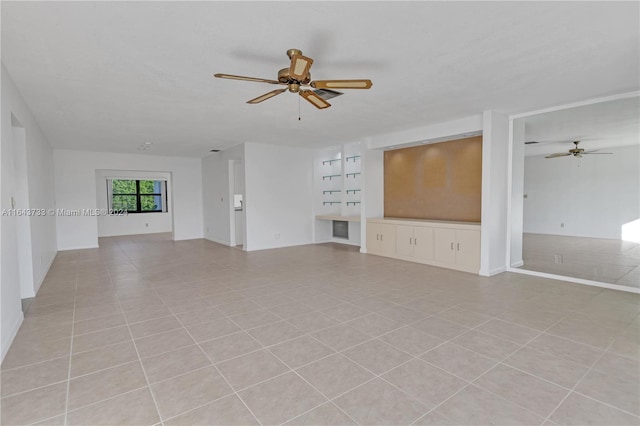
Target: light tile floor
[[144, 330], [596, 259]]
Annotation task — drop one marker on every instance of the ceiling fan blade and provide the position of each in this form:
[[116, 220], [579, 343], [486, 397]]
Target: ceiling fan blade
[[240, 77], [266, 96], [559, 154], [341, 84], [594, 152], [314, 99], [299, 68]]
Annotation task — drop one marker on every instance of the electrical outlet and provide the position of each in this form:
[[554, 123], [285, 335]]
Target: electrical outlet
[[558, 258], [146, 225], [276, 235], [561, 225]]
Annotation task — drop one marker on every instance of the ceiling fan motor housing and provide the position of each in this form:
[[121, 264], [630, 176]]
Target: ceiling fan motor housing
[[285, 78]]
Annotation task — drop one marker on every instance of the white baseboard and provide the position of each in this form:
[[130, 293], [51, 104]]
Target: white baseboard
[[346, 242], [576, 280], [8, 339], [302, 243], [189, 237], [215, 240], [496, 271], [517, 264], [78, 248]]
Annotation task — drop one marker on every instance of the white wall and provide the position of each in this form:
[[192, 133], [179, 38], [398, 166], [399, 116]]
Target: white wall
[[217, 203], [39, 174], [433, 132], [75, 189], [20, 196], [593, 196], [238, 188], [495, 198], [278, 196], [517, 193], [137, 223], [372, 190]]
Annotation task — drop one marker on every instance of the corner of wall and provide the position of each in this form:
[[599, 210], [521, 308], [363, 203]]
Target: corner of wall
[[38, 282], [7, 339]]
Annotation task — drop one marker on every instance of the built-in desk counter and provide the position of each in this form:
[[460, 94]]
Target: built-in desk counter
[[338, 217]]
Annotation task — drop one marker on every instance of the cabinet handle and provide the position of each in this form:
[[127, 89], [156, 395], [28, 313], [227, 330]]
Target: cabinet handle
[[458, 246], [415, 241], [378, 237], [409, 240], [452, 245]]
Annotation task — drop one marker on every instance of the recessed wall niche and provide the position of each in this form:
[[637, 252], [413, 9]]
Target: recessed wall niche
[[441, 181]]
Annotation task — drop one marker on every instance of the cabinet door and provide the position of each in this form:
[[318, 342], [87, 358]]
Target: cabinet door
[[387, 239], [444, 243], [404, 240], [423, 242], [468, 249], [373, 238]]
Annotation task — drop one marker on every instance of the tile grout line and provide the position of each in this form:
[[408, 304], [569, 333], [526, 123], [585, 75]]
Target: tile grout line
[[407, 325], [331, 400], [144, 372], [499, 362], [263, 347], [294, 370], [66, 404], [493, 316], [219, 373], [573, 389], [107, 399]]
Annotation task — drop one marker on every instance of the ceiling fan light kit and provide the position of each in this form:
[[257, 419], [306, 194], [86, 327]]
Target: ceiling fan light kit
[[296, 77]]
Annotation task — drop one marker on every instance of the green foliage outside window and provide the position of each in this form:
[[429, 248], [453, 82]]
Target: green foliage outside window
[[137, 195]]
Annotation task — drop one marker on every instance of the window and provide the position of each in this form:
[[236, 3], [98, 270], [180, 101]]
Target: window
[[137, 196]]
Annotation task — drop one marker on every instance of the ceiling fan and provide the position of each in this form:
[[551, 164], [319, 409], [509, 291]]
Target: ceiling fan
[[296, 76], [576, 152]]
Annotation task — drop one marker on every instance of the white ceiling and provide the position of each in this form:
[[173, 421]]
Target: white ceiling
[[110, 76], [599, 126]]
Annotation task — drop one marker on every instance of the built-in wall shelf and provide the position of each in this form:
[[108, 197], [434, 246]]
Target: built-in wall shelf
[[324, 162], [337, 194], [330, 177]]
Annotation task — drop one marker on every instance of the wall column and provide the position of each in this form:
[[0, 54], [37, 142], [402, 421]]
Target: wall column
[[495, 161]]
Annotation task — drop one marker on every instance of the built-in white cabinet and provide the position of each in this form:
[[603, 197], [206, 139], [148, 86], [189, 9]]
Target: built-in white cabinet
[[414, 242], [454, 245], [381, 239], [460, 247]]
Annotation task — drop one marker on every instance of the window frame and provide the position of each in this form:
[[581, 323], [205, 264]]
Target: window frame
[[138, 195]]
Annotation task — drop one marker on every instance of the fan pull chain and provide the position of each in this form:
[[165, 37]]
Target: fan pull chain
[[299, 119]]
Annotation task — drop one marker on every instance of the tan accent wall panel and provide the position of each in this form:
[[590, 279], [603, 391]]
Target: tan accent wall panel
[[440, 181]]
